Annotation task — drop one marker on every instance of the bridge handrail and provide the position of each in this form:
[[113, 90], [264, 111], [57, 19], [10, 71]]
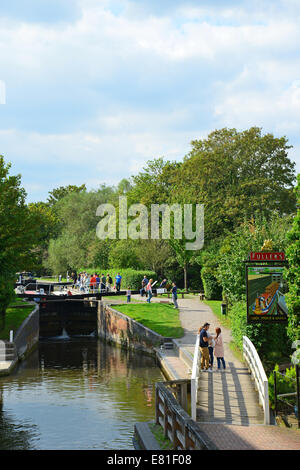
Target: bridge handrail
[[257, 370], [194, 379]]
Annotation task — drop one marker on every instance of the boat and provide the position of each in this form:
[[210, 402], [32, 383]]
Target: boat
[[265, 301]]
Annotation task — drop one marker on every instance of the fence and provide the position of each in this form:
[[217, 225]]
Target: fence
[[194, 379], [178, 426], [287, 404], [256, 368]]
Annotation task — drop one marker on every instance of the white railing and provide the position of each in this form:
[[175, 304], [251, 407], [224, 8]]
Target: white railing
[[256, 368], [194, 379]]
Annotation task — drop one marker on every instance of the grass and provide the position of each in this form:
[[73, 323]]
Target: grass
[[157, 431], [161, 318], [215, 305], [14, 317]]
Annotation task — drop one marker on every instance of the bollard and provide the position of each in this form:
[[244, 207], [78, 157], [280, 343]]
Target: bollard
[[11, 336], [223, 308]]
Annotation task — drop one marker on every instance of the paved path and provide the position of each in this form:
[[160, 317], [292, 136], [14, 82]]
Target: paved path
[[228, 409]]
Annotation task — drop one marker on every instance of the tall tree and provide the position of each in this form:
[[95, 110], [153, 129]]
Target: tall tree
[[17, 232], [235, 174], [59, 193], [293, 273]]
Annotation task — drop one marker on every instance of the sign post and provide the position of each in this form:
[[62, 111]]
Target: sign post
[[266, 287]]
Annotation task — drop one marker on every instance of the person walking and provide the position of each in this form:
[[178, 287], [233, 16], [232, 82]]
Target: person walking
[[93, 283], [204, 347], [163, 283], [174, 295], [108, 283], [103, 282], [87, 284], [128, 293], [149, 290], [118, 282], [219, 349], [144, 285], [97, 282]]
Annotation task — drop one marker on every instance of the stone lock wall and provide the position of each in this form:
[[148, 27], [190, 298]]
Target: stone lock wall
[[115, 327]]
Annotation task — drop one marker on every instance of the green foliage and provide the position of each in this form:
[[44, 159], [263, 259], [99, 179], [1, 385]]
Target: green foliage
[[18, 234], [77, 243], [14, 318], [212, 288], [59, 193], [235, 174], [293, 273], [123, 253], [6, 292], [267, 338], [284, 383], [236, 247]]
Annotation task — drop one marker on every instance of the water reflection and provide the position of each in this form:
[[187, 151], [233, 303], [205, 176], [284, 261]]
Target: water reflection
[[77, 394]]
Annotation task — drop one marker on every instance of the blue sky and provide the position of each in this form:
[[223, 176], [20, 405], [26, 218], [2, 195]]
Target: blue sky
[[95, 88]]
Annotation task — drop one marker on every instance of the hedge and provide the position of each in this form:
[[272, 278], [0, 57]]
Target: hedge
[[212, 288]]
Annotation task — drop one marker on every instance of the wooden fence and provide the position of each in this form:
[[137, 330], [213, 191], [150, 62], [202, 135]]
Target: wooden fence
[[171, 413]]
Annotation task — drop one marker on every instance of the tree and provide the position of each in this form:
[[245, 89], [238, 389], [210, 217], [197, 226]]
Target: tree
[[47, 224], [77, 244], [293, 273], [249, 236], [235, 175], [59, 193], [17, 232], [154, 255]]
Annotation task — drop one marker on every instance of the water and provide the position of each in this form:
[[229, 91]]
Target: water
[[77, 394]]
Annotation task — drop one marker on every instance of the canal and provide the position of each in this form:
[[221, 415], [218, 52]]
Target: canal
[[77, 393]]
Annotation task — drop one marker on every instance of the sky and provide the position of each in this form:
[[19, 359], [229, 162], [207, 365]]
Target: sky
[[90, 90]]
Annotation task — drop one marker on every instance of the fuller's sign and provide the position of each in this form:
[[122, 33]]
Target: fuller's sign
[[265, 256]]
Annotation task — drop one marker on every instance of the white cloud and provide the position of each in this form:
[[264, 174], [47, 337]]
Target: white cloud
[[136, 85]]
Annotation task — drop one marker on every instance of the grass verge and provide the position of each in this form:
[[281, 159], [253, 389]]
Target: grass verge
[[215, 305], [14, 317], [161, 318], [157, 431]]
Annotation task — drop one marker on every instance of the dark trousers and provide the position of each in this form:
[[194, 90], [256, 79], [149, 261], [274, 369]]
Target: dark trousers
[[118, 287], [219, 359], [211, 355]]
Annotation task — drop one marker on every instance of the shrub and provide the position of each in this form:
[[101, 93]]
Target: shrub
[[293, 274], [267, 338], [284, 383], [212, 288]]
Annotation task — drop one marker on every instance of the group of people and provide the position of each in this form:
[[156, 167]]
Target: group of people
[[96, 283], [146, 289], [211, 346], [86, 283]]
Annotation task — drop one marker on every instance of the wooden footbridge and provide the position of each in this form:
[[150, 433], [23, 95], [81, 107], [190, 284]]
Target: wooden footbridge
[[229, 409]]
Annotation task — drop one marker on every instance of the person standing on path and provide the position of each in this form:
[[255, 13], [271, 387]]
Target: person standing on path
[[128, 293], [211, 345], [118, 279], [219, 349], [103, 283], [204, 347], [174, 295], [144, 285], [149, 290]]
